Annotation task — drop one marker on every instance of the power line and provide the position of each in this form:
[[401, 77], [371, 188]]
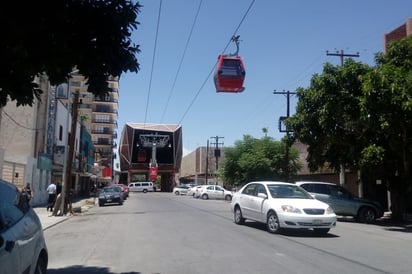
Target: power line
[[153, 61], [214, 66], [181, 60], [18, 124]]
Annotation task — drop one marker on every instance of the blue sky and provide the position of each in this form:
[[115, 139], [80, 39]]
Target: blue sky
[[283, 43]]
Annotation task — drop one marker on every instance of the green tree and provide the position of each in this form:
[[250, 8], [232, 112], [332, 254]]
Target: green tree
[[257, 159], [361, 117], [387, 105], [52, 37], [327, 117]]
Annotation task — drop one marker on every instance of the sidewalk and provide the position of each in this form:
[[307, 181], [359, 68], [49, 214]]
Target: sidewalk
[[79, 206]]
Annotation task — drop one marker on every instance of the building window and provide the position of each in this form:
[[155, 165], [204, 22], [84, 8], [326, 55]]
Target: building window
[[60, 133]]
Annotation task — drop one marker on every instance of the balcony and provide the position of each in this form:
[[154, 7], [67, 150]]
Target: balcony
[[105, 99], [105, 121], [104, 142], [111, 132], [104, 110]]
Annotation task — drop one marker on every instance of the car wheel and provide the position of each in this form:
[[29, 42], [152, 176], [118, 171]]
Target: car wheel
[[321, 231], [144, 190], [366, 215], [228, 197], [238, 216], [205, 197], [177, 192], [41, 266], [101, 204], [273, 223]]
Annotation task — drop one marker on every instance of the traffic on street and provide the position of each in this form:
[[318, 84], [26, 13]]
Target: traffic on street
[[167, 233]]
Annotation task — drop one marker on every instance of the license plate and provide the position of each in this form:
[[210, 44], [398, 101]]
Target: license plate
[[109, 200], [317, 222]]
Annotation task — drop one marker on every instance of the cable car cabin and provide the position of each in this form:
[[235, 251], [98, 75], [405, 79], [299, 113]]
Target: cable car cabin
[[230, 74]]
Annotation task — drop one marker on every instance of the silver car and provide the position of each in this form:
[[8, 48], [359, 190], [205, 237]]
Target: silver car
[[22, 245], [343, 202], [281, 205]]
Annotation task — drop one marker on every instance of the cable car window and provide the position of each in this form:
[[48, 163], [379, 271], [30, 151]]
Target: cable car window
[[231, 67]]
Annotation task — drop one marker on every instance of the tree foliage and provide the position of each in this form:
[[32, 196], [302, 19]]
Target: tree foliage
[[328, 117], [52, 37], [257, 159], [361, 117]]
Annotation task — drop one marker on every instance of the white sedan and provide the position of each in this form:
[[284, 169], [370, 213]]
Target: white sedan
[[180, 189], [215, 192], [22, 244], [281, 205]]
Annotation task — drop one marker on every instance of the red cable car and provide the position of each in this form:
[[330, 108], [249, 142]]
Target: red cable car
[[230, 72]]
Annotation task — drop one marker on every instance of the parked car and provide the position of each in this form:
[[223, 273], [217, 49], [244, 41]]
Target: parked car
[[282, 205], [199, 190], [194, 191], [110, 195], [119, 189], [343, 202], [141, 187], [22, 245], [180, 189], [215, 192], [124, 190]]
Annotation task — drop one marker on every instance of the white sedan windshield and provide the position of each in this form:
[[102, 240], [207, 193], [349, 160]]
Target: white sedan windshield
[[288, 191]]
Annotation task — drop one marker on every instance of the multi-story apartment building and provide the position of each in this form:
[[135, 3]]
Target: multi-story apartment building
[[99, 117], [33, 138]]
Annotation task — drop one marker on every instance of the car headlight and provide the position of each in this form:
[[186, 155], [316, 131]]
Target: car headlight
[[329, 210], [291, 209]]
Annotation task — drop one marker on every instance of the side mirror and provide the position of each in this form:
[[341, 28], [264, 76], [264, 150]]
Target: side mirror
[[262, 195]]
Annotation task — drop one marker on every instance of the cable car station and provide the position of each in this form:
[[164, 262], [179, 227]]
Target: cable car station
[[150, 152]]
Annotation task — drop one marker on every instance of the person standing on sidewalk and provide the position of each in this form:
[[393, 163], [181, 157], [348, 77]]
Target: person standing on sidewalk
[[27, 192], [51, 190]]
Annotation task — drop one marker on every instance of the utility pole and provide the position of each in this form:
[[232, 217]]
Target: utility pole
[[285, 129], [217, 153], [68, 185], [342, 55], [207, 162]]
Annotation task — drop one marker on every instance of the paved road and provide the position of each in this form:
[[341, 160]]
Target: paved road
[[164, 233]]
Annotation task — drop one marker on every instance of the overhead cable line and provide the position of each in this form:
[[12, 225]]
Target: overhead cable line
[[181, 60], [17, 123], [153, 61], [214, 66]]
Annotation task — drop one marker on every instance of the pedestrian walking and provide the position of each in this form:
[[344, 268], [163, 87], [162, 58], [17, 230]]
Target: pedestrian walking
[[51, 190], [27, 192]]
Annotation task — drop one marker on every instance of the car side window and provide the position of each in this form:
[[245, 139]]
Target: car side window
[[340, 192], [249, 190], [321, 189], [261, 189]]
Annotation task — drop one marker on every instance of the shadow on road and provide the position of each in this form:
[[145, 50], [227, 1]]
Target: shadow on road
[[386, 223], [79, 269], [291, 232]]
